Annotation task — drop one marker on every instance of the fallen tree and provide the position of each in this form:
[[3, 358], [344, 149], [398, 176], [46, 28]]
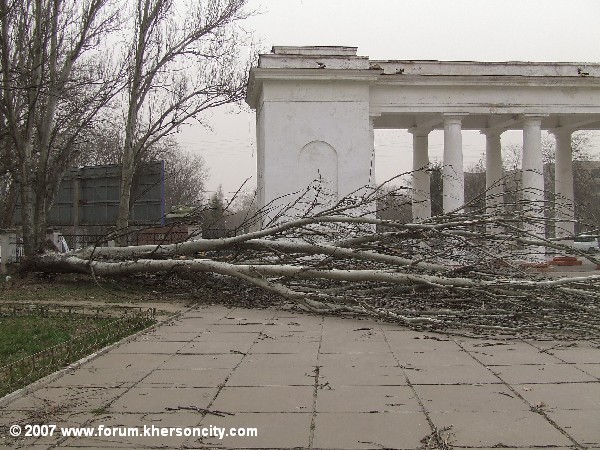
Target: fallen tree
[[472, 272]]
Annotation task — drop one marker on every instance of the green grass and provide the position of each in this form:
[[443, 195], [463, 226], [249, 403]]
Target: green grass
[[27, 335], [35, 329], [23, 336]]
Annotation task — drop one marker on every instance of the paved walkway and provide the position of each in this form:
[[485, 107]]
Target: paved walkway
[[309, 381]]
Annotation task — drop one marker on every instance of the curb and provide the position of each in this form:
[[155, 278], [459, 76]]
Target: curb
[[9, 398]]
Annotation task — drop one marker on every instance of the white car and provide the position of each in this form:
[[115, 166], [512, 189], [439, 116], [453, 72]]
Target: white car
[[586, 242]]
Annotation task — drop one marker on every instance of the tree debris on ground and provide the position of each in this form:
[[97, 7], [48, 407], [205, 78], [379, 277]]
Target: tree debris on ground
[[462, 272]]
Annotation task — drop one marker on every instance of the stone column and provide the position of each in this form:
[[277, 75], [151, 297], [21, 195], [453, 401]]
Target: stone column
[[453, 172], [563, 187], [421, 187], [533, 181], [494, 183]]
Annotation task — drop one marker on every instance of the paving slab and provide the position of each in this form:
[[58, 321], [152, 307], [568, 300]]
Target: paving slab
[[542, 373], [499, 429], [509, 354], [273, 373], [590, 369], [566, 396], [367, 399], [353, 374], [72, 398], [157, 399], [152, 347], [370, 430], [275, 430], [143, 361], [211, 361], [122, 421], [442, 374], [224, 336], [215, 347], [581, 426], [185, 378], [274, 347], [578, 355], [265, 399], [307, 381], [470, 398], [85, 376]]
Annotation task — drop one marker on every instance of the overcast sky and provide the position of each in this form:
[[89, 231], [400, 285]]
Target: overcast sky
[[471, 30]]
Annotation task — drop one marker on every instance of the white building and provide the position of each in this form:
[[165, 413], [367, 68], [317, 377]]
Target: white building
[[317, 107]]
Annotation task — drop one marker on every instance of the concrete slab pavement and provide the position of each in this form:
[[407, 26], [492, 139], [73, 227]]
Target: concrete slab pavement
[[306, 381]]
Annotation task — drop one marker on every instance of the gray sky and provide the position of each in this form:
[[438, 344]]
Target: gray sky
[[473, 30]]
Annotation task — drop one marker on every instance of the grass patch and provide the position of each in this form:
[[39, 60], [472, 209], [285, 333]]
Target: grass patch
[[55, 319], [33, 346], [27, 335]]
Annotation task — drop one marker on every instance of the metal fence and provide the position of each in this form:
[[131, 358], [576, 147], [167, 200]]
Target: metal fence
[[123, 321], [84, 240]]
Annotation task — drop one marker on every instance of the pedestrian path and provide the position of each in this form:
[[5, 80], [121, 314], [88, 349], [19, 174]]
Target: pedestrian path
[[308, 381]]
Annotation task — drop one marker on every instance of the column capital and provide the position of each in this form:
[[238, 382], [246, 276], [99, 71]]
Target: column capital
[[492, 132], [420, 131], [453, 118], [561, 131], [533, 118]]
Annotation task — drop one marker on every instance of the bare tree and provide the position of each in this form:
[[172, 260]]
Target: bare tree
[[475, 185], [183, 60], [185, 176], [580, 141], [436, 187], [395, 204], [54, 83], [239, 212], [101, 144]]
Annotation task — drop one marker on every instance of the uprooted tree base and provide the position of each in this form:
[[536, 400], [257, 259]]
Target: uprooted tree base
[[460, 273]]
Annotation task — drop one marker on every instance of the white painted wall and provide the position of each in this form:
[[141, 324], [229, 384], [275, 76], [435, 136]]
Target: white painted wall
[[314, 128]]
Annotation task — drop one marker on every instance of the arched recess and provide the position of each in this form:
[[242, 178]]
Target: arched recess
[[318, 166]]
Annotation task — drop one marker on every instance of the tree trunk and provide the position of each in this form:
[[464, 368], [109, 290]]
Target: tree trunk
[[127, 171]]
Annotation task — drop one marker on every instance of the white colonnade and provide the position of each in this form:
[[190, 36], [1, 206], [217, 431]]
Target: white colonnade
[[319, 106]]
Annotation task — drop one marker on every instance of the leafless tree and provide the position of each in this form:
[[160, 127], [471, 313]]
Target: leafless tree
[[475, 185], [54, 82], [183, 59], [186, 174], [580, 141], [241, 215], [394, 204], [101, 144]]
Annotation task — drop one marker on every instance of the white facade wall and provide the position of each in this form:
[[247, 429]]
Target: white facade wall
[[322, 123]]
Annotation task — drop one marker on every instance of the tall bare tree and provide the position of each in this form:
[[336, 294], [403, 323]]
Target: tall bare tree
[[54, 83], [183, 60], [185, 177]]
